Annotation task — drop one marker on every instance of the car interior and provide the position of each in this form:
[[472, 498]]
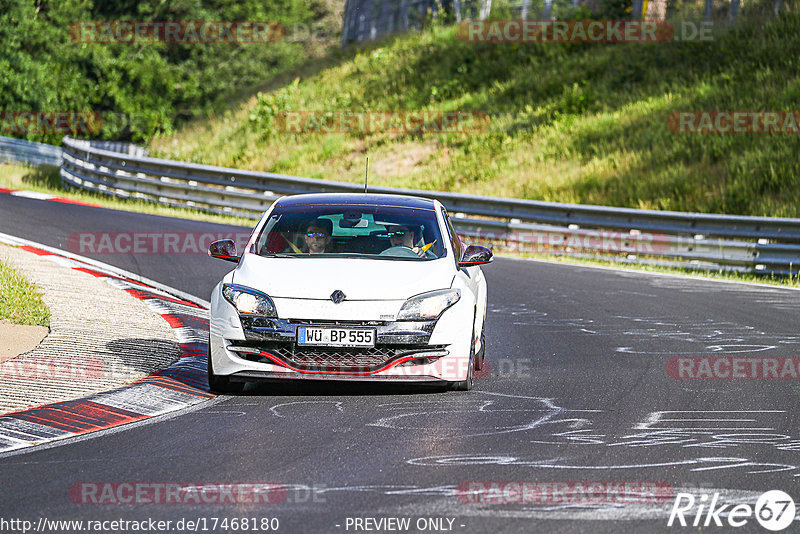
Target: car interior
[[351, 234]]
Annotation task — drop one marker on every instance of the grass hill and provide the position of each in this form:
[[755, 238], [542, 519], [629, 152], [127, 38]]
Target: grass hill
[[569, 122]]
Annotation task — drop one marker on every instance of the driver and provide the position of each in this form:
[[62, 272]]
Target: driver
[[318, 235], [402, 236]]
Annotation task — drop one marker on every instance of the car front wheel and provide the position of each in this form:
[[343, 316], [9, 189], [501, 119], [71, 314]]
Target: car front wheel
[[466, 385], [480, 356], [221, 384]]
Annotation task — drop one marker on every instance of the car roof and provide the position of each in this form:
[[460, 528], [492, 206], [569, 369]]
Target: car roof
[[357, 199]]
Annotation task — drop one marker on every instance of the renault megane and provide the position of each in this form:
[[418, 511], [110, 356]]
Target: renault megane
[[349, 287]]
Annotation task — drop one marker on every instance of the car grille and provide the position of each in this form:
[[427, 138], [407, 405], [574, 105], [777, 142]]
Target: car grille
[[335, 359]]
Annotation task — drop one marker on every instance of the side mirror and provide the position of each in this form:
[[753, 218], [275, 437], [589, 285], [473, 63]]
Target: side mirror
[[475, 255], [224, 249]]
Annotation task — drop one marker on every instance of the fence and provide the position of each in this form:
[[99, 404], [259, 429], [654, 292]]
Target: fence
[[366, 20], [759, 244], [14, 150], [115, 146]]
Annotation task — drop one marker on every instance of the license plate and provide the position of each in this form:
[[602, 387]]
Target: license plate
[[335, 336]]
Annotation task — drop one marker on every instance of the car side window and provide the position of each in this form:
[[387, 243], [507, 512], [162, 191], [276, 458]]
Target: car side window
[[454, 239]]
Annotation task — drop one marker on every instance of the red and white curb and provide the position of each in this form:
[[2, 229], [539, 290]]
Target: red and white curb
[[43, 196], [182, 384]]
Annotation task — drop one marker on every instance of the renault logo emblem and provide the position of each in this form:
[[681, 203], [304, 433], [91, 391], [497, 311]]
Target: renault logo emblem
[[337, 296]]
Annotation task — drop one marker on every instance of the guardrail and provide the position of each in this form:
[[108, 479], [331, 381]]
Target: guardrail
[[14, 150], [709, 241]]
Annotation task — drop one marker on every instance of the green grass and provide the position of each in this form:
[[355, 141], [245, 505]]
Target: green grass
[[20, 300], [46, 180], [570, 122]]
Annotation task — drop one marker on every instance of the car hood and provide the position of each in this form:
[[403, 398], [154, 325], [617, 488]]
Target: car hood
[[358, 279]]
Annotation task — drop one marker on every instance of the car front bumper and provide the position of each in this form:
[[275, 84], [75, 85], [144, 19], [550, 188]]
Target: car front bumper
[[407, 351]]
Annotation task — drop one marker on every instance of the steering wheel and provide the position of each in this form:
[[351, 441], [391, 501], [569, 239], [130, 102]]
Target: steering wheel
[[401, 251]]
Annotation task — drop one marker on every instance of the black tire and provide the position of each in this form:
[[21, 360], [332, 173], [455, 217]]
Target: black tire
[[480, 357], [466, 385], [221, 384]]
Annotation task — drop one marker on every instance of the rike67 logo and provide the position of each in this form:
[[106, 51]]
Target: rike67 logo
[[774, 510]]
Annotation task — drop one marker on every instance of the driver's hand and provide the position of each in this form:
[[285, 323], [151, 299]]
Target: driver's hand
[[419, 251]]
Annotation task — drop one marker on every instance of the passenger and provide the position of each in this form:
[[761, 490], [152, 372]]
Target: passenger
[[318, 236]]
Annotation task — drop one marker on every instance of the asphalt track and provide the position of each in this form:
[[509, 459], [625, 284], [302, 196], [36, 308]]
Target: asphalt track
[[578, 392]]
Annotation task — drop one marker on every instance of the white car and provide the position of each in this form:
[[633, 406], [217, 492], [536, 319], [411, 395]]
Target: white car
[[349, 287]]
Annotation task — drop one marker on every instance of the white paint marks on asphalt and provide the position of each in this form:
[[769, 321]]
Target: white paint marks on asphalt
[[276, 409], [146, 399], [33, 194]]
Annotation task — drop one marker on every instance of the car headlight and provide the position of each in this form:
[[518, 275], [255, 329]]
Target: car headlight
[[249, 301], [428, 305]]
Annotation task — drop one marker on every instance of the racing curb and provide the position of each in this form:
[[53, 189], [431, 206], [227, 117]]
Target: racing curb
[[176, 387], [44, 196]]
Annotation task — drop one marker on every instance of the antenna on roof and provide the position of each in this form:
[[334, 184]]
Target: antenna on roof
[[366, 175]]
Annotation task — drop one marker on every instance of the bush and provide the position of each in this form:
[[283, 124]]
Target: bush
[[139, 89]]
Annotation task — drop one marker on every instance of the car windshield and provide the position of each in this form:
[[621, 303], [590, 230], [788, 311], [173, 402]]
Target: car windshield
[[378, 232]]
